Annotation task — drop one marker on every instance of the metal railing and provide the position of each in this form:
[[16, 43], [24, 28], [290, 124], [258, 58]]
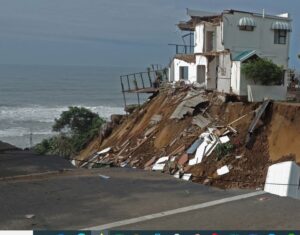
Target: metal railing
[[142, 82], [183, 49]]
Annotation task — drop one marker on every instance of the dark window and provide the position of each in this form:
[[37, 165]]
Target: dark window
[[280, 36], [209, 41], [247, 28], [184, 72]]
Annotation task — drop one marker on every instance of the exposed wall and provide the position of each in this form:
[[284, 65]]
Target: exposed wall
[[200, 34], [171, 72], [224, 73], [219, 37], [261, 39], [199, 38], [235, 77], [212, 74]]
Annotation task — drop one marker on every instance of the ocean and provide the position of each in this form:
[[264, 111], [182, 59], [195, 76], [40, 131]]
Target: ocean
[[32, 96]]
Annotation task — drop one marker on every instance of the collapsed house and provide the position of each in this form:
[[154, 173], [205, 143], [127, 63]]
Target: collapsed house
[[221, 42]]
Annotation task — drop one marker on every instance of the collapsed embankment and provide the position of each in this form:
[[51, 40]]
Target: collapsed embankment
[[167, 126]]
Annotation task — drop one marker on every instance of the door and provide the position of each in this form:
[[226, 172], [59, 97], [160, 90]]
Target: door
[[201, 70]]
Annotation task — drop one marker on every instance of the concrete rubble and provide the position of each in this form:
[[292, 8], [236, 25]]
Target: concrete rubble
[[194, 135]]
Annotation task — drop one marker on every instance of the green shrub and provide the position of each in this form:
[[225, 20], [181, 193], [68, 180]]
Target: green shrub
[[224, 149], [263, 71]]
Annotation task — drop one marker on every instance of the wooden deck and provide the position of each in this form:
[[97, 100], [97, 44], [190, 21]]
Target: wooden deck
[[148, 90]]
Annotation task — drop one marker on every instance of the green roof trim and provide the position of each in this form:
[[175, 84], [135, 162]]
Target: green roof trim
[[244, 55]]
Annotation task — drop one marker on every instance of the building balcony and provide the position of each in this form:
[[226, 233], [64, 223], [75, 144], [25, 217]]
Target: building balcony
[[183, 49]]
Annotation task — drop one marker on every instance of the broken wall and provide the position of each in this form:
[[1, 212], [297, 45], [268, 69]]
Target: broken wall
[[224, 73]]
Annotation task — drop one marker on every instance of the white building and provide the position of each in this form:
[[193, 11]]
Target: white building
[[222, 42]]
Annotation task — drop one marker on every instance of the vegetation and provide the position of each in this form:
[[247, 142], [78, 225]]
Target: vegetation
[[224, 149], [263, 71], [76, 127]]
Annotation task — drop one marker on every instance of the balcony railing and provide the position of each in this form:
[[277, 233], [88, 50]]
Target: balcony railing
[[183, 49]]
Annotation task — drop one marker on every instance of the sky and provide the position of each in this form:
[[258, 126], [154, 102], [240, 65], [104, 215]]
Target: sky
[[121, 33]]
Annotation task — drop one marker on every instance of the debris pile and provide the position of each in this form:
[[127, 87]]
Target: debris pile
[[192, 134]]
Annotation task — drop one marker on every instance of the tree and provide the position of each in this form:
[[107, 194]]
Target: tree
[[77, 126], [263, 71], [78, 120]]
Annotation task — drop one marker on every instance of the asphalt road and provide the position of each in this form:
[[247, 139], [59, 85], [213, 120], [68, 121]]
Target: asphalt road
[[80, 199], [14, 163]]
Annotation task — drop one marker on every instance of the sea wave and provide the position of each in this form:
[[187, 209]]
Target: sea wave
[[17, 123], [48, 114], [21, 132]]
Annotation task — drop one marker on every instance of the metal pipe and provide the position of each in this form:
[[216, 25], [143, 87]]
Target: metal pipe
[[142, 80], [128, 82]]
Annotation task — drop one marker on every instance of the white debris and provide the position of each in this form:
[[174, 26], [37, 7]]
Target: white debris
[[186, 177], [199, 154], [205, 149], [73, 162], [223, 170], [176, 175], [283, 179], [158, 167], [239, 157], [162, 160], [224, 139], [212, 145], [104, 176], [29, 216], [106, 150], [160, 164]]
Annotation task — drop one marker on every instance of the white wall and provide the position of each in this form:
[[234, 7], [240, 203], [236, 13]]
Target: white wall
[[175, 66], [261, 39], [219, 37], [224, 73], [199, 38], [235, 77], [171, 72]]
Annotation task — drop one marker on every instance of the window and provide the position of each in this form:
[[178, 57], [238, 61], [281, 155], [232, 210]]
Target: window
[[184, 72], [246, 28], [280, 36]]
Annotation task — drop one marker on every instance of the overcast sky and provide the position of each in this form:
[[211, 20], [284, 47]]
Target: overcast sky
[[128, 33]]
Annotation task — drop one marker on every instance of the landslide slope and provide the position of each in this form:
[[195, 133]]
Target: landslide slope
[[149, 133]]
